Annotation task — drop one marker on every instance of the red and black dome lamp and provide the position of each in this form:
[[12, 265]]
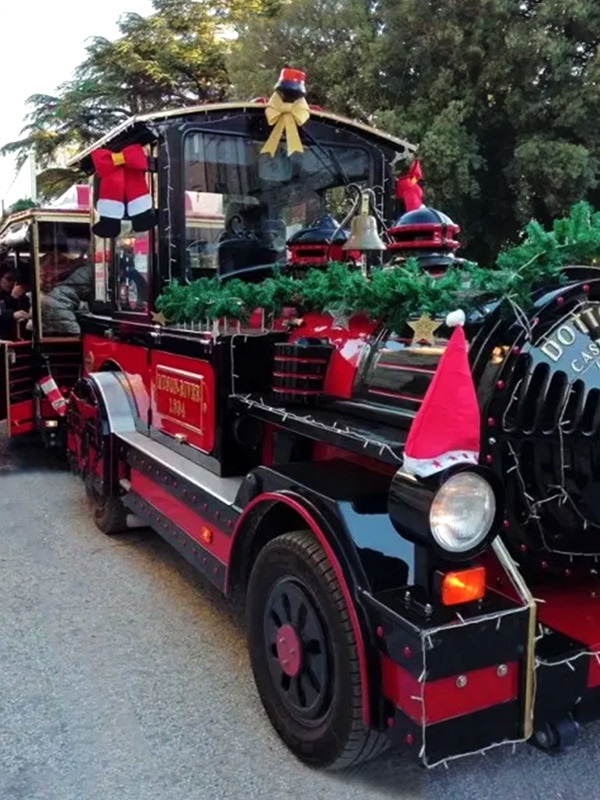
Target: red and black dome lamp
[[319, 243], [426, 234]]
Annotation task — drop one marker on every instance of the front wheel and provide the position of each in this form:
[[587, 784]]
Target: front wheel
[[304, 655]]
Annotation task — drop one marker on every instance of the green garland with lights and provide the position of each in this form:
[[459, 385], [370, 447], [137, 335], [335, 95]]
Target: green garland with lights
[[394, 295]]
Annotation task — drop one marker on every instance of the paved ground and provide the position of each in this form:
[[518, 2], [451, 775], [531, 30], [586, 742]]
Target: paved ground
[[124, 675]]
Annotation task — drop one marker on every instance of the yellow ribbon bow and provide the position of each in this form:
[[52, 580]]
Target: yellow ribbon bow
[[285, 117]]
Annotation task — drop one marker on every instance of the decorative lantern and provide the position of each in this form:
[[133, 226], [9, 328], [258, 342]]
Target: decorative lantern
[[318, 244], [426, 234]]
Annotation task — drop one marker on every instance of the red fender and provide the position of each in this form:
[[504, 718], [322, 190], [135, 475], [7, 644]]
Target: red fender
[[298, 506]]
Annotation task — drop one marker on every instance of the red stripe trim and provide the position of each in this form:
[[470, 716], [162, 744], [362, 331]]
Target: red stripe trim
[[303, 512], [443, 699], [397, 395], [301, 360], [404, 368], [295, 375], [297, 391], [183, 516]]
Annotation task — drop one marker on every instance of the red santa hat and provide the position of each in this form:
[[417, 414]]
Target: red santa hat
[[447, 428]]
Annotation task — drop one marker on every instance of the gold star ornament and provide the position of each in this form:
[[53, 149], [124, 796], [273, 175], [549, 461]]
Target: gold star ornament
[[158, 318], [424, 328]]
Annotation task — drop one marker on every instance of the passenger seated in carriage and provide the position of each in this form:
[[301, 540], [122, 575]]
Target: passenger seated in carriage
[[59, 306], [14, 303]]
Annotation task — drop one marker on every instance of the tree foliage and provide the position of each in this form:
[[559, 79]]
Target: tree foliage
[[174, 57], [332, 40], [22, 205], [501, 96]]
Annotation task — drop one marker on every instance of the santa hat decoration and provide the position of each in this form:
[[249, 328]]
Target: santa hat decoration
[[446, 429], [408, 189], [122, 179]]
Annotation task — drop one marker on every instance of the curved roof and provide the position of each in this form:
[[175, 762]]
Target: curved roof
[[189, 110]]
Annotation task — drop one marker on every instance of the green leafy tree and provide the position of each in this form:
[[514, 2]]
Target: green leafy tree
[[22, 205], [174, 57], [333, 40], [502, 96]]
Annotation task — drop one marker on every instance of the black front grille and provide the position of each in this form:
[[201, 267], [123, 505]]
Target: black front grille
[[541, 426]]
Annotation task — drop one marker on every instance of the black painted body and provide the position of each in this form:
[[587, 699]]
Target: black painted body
[[375, 524]]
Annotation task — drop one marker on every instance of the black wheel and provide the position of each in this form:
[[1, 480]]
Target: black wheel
[[556, 737], [304, 655], [109, 513]]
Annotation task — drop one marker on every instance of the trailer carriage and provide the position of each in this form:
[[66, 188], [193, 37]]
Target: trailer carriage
[[42, 246]]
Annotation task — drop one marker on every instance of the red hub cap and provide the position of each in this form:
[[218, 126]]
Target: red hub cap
[[289, 650]]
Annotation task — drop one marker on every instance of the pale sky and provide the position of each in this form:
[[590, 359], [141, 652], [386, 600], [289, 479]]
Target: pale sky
[[42, 43]]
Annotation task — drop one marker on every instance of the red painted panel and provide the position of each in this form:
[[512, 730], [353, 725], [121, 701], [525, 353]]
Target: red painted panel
[[348, 346], [183, 398], [442, 699], [268, 445], [131, 360], [21, 417], [183, 516], [575, 612], [294, 503]]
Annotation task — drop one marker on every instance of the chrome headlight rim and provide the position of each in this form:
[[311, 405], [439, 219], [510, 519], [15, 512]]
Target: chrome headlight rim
[[460, 480]]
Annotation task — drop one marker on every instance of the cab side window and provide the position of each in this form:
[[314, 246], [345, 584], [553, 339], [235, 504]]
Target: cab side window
[[132, 269]]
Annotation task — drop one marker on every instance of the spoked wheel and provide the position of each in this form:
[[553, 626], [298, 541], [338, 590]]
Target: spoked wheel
[[304, 655], [300, 661]]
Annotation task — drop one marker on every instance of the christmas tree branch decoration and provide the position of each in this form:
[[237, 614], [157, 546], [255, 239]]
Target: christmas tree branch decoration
[[403, 290]]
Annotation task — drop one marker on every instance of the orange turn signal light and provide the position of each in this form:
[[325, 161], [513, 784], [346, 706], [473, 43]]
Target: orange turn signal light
[[206, 535], [464, 586]]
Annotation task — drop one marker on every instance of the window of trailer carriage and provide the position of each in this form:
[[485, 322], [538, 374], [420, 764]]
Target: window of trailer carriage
[[241, 207], [65, 276]]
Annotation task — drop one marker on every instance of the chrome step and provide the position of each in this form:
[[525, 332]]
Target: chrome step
[[225, 489]]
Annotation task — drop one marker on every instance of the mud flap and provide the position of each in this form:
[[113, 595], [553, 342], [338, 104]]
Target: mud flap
[[16, 387]]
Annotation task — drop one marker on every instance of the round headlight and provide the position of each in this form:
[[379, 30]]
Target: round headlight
[[462, 512]]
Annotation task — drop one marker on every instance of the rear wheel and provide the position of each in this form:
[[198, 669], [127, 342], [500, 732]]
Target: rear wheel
[[304, 655], [109, 513]]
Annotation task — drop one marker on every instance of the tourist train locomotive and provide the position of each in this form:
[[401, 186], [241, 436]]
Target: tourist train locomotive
[[441, 601]]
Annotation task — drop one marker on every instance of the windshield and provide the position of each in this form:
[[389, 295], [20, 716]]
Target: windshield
[[242, 207]]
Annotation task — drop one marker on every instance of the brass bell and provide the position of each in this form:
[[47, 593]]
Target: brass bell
[[364, 234]]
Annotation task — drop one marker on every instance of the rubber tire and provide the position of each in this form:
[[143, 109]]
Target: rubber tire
[[109, 513], [111, 516], [341, 740]]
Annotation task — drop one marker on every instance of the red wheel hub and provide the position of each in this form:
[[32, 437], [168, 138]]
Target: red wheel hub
[[289, 650]]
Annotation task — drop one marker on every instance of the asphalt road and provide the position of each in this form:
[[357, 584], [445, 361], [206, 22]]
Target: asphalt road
[[124, 675]]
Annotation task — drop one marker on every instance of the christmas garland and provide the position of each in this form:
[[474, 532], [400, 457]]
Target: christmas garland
[[401, 291]]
